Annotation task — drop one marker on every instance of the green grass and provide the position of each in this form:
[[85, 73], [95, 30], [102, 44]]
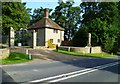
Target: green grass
[[15, 57], [96, 55]]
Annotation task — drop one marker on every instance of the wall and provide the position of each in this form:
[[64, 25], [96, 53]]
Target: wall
[[4, 39], [62, 36], [80, 49], [30, 39], [49, 34], [45, 34], [4, 53], [96, 49], [41, 37]]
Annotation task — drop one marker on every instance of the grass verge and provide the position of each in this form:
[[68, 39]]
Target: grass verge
[[96, 55], [15, 57]]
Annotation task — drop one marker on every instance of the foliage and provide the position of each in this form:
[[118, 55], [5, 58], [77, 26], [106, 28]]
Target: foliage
[[101, 20], [108, 46], [23, 37], [14, 14], [67, 17], [15, 57], [80, 38], [0, 25], [119, 25], [89, 10], [37, 15]]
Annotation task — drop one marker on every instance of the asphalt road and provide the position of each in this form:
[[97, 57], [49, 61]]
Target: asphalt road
[[24, 73], [109, 74]]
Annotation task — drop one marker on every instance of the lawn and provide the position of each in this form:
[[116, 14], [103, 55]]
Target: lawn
[[98, 55], [15, 58]]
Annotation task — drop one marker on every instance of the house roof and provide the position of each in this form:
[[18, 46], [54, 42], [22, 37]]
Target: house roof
[[45, 22]]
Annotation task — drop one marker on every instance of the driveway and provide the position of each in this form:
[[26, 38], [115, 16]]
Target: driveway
[[47, 54], [90, 69]]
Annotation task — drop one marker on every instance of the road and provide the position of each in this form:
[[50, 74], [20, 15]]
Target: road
[[109, 74], [93, 70]]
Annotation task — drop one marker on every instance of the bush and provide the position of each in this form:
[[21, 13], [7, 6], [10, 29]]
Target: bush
[[80, 38], [110, 45]]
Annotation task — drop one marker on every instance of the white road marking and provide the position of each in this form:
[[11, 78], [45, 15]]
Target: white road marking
[[64, 78], [74, 74]]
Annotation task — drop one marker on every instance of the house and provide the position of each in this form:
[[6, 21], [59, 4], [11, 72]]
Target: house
[[46, 31]]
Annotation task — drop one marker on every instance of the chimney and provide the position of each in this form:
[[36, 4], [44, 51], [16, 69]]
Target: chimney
[[46, 13]]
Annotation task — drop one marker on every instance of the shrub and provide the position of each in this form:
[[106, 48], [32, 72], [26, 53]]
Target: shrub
[[80, 38]]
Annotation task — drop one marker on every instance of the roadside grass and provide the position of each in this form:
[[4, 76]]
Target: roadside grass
[[15, 57], [96, 55]]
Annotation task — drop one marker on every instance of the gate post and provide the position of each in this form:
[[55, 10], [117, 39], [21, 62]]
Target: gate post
[[34, 39], [11, 37], [89, 42]]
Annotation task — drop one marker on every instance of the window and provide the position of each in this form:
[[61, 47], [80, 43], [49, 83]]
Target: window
[[51, 40], [55, 31], [58, 40]]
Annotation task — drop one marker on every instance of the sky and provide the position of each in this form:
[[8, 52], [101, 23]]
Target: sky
[[45, 3]]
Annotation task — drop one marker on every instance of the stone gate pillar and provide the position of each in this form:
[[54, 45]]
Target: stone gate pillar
[[89, 39], [34, 39], [11, 37], [89, 42]]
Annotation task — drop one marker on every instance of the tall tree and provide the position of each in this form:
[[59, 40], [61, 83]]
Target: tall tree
[[119, 25], [38, 15], [14, 14], [89, 10], [67, 17], [101, 19]]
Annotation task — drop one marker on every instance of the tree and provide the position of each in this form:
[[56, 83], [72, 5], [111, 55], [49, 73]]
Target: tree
[[90, 11], [109, 13], [101, 20], [0, 25], [118, 22], [14, 14], [67, 17], [80, 38], [37, 15]]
